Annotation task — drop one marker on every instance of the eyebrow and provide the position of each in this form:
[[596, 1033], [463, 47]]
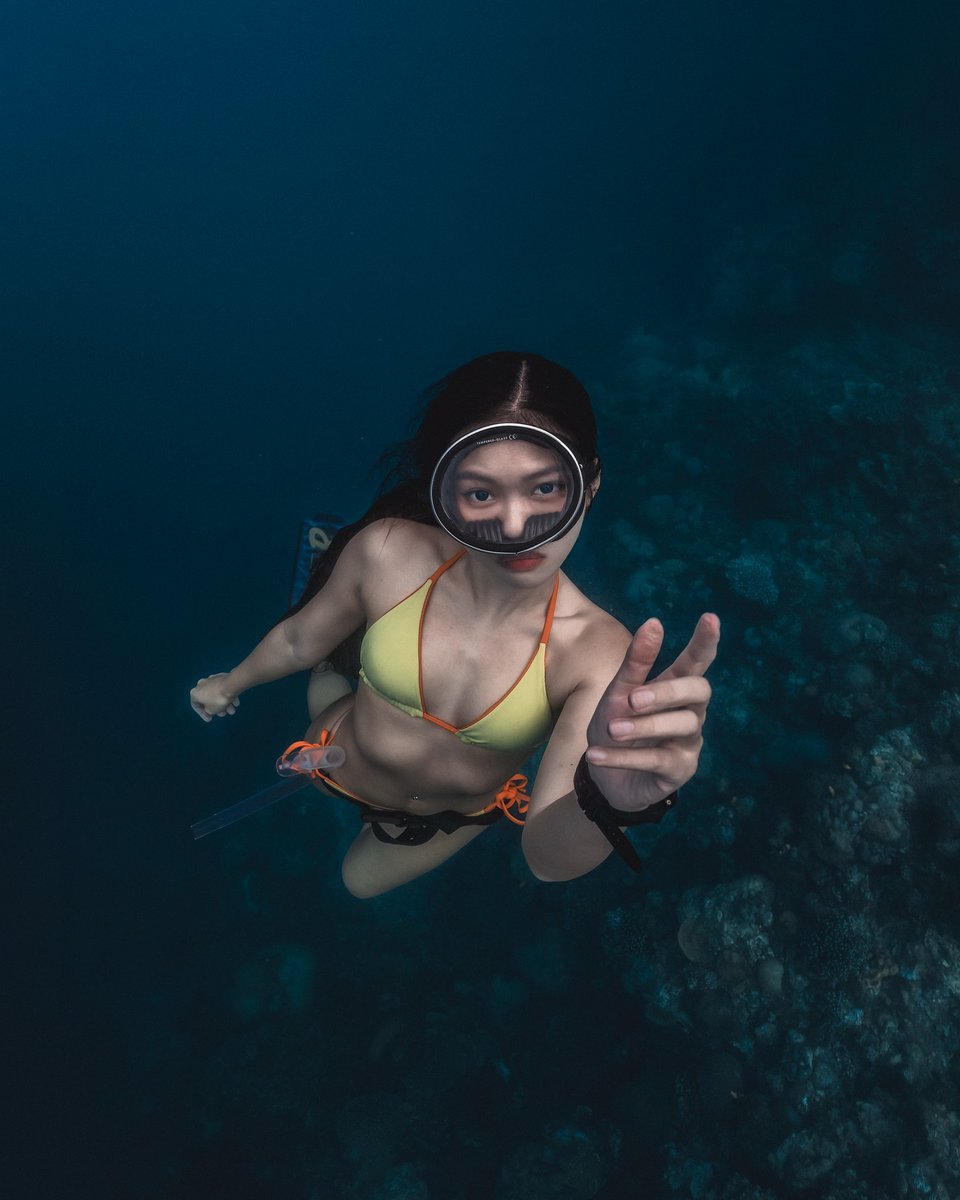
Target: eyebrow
[[481, 477]]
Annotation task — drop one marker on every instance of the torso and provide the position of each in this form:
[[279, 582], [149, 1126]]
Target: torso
[[469, 660]]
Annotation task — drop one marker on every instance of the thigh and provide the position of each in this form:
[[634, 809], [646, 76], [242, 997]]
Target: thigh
[[372, 867]]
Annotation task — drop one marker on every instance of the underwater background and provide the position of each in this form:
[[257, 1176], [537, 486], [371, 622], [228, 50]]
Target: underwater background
[[237, 241]]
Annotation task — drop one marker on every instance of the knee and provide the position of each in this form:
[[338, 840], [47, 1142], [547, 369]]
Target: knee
[[325, 688], [359, 881]]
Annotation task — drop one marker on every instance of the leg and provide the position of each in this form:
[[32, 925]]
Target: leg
[[324, 687], [371, 867]]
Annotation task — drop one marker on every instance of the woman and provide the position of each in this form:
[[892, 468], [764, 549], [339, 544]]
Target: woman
[[477, 648]]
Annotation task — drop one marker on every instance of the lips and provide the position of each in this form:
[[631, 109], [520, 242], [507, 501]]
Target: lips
[[522, 562]]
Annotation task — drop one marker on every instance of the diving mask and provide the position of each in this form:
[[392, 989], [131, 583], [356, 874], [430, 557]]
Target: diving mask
[[507, 488]]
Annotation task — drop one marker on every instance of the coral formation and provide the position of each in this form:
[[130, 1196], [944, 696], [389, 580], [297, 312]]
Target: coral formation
[[773, 1009]]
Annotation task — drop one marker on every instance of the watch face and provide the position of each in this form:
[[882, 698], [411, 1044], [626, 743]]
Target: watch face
[[507, 489]]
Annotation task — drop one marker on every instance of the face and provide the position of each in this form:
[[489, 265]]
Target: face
[[518, 485], [507, 489], [534, 567], [521, 486]]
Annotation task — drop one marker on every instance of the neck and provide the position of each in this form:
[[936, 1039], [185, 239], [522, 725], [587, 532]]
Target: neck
[[499, 592]]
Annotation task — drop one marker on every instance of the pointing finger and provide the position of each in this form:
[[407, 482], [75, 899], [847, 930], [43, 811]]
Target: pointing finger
[[699, 652]]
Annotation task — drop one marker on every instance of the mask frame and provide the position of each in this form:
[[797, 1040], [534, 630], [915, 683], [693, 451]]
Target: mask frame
[[507, 431]]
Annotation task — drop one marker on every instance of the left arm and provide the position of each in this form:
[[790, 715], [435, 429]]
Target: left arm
[[558, 841], [644, 743]]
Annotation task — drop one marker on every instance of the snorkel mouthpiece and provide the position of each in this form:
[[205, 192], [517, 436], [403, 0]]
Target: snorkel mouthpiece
[[310, 758]]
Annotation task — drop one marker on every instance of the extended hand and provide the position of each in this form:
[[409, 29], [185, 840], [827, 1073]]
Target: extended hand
[[645, 737], [211, 699]]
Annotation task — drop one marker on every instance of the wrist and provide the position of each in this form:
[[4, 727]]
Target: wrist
[[232, 684], [592, 800], [597, 808]]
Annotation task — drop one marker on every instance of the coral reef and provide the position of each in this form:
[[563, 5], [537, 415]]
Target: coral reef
[[773, 1009]]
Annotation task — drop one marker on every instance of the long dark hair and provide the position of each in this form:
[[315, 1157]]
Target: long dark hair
[[504, 386]]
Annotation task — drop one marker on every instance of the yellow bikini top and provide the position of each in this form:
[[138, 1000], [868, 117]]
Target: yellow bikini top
[[391, 666]]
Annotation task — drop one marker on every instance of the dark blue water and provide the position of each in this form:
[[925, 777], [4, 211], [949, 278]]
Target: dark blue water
[[237, 240]]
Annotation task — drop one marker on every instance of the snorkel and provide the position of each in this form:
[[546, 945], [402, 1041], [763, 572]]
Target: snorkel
[[298, 764]]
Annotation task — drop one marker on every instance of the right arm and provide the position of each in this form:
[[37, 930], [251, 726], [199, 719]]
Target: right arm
[[307, 637]]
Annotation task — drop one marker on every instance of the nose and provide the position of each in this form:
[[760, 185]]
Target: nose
[[514, 519]]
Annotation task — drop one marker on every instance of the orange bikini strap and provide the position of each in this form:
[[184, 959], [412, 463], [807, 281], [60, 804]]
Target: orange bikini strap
[[446, 566], [548, 623]]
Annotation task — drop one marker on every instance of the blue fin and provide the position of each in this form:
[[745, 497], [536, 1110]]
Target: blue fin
[[316, 534]]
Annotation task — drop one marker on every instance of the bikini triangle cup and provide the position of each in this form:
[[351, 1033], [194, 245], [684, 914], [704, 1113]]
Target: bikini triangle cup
[[391, 666]]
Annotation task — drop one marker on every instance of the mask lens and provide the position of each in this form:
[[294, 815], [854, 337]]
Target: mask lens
[[507, 488]]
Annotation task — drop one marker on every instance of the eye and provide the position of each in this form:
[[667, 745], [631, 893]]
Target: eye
[[478, 495], [548, 488]]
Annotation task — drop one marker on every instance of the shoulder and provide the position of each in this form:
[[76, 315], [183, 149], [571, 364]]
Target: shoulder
[[587, 644], [391, 557], [392, 540]]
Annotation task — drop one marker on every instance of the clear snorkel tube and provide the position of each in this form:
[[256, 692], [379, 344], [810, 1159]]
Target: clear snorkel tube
[[298, 765]]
